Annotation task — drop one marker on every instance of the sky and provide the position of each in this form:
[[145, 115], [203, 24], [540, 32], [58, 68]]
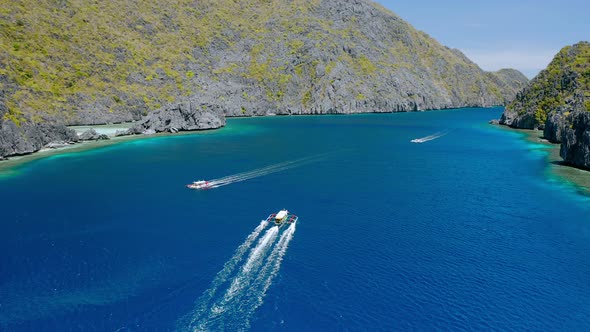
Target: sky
[[496, 34]]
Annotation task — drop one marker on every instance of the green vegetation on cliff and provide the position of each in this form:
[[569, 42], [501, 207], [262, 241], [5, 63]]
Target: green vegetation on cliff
[[558, 101], [563, 87], [85, 61]]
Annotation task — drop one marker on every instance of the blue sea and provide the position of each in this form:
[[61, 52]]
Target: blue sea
[[468, 230]]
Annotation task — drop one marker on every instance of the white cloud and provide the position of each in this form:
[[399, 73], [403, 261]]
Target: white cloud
[[530, 62]]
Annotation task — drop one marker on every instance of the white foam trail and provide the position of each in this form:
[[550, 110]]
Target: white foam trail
[[431, 137], [244, 278], [219, 183], [249, 288], [231, 177], [256, 173], [239, 284], [228, 268], [239, 177], [266, 276]]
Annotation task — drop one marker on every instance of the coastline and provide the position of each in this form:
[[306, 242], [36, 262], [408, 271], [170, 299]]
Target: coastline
[[577, 178], [10, 165]]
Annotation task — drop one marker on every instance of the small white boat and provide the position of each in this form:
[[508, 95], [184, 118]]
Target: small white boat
[[199, 185]]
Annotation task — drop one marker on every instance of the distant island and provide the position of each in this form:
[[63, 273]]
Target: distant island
[[557, 101], [78, 63]]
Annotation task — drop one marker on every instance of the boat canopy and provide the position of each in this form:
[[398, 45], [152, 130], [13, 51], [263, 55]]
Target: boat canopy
[[281, 215]]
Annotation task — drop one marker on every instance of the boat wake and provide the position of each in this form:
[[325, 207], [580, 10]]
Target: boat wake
[[241, 285], [230, 179], [431, 137]]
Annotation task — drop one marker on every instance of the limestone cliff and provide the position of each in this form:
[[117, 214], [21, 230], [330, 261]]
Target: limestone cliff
[[558, 101], [562, 88], [88, 62]]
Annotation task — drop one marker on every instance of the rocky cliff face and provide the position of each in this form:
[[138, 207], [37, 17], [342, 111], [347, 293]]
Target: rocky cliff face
[[187, 115], [575, 146], [82, 62], [548, 100], [558, 101], [347, 57], [510, 82], [28, 137]]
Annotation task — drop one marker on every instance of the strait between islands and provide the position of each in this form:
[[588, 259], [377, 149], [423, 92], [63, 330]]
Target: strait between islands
[[319, 57], [204, 63]]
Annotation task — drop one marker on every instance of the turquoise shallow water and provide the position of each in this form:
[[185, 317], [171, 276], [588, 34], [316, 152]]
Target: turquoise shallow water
[[464, 232]]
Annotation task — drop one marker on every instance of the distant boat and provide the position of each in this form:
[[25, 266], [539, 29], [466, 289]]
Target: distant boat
[[199, 185], [431, 137], [282, 217]]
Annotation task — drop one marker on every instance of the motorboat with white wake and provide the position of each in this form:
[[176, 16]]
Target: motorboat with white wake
[[200, 185], [282, 217]]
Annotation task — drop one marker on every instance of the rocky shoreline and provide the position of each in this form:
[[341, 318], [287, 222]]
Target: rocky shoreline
[[578, 177], [557, 102], [173, 119], [94, 137], [335, 57], [185, 115]]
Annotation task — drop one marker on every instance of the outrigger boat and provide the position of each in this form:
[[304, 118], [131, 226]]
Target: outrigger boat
[[200, 185], [282, 217]]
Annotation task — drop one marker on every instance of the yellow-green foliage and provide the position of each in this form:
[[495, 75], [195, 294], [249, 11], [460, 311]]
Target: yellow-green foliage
[[13, 116], [541, 115], [70, 53], [330, 66], [567, 74], [365, 65], [295, 45], [306, 98], [79, 50], [226, 70]]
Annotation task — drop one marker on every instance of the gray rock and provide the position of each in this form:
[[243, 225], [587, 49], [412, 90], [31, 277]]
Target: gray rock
[[28, 137], [513, 119], [561, 94], [368, 60], [555, 126], [575, 146], [556, 92], [122, 133], [92, 135], [186, 115]]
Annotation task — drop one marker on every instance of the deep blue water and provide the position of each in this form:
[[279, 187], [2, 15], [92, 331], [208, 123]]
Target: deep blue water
[[465, 232]]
